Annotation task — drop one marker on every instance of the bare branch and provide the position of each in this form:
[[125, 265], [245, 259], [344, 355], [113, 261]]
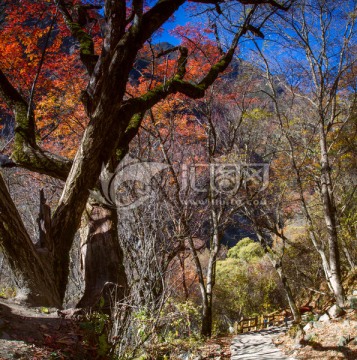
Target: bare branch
[[284, 6]]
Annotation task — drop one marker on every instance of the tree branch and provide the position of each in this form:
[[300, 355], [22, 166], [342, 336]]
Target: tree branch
[[177, 84], [86, 45], [115, 12], [284, 6], [42, 59], [26, 153], [25, 126]]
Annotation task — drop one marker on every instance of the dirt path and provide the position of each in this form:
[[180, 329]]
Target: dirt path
[[257, 346], [27, 333]]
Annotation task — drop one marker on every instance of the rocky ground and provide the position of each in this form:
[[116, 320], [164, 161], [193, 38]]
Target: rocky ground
[[28, 333], [216, 348], [34, 334], [258, 345], [329, 340]]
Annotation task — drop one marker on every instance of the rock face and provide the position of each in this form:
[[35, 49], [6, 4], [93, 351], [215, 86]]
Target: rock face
[[335, 311], [324, 317], [317, 325]]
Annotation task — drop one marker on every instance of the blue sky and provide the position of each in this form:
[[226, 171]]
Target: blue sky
[[181, 18]]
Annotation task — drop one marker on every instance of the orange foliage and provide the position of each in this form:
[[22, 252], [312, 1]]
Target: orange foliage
[[60, 117]]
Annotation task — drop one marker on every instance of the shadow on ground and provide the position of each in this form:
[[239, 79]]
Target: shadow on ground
[[26, 333], [347, 353]]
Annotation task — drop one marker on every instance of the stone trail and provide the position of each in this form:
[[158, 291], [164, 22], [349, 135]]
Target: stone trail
[[257, 346]]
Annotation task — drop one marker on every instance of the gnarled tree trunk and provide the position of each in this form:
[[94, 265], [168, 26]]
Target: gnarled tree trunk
[[101, 256], [31, 266]]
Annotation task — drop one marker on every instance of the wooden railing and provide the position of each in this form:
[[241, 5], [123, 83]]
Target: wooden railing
[[258, 323]]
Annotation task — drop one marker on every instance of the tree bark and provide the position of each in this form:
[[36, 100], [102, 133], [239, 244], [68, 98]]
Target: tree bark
[[33, 271], [329, 209], [206, 318], [333, 276], [289, 294], [206, 328], [102, 257], [182, 258], [211, 274]]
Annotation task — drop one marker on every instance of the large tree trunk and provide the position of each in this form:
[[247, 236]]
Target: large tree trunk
[[102, 257], [36, 281], [331, 266]]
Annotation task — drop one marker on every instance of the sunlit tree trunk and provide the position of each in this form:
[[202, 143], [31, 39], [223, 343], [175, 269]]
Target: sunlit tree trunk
[[329, 210]]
